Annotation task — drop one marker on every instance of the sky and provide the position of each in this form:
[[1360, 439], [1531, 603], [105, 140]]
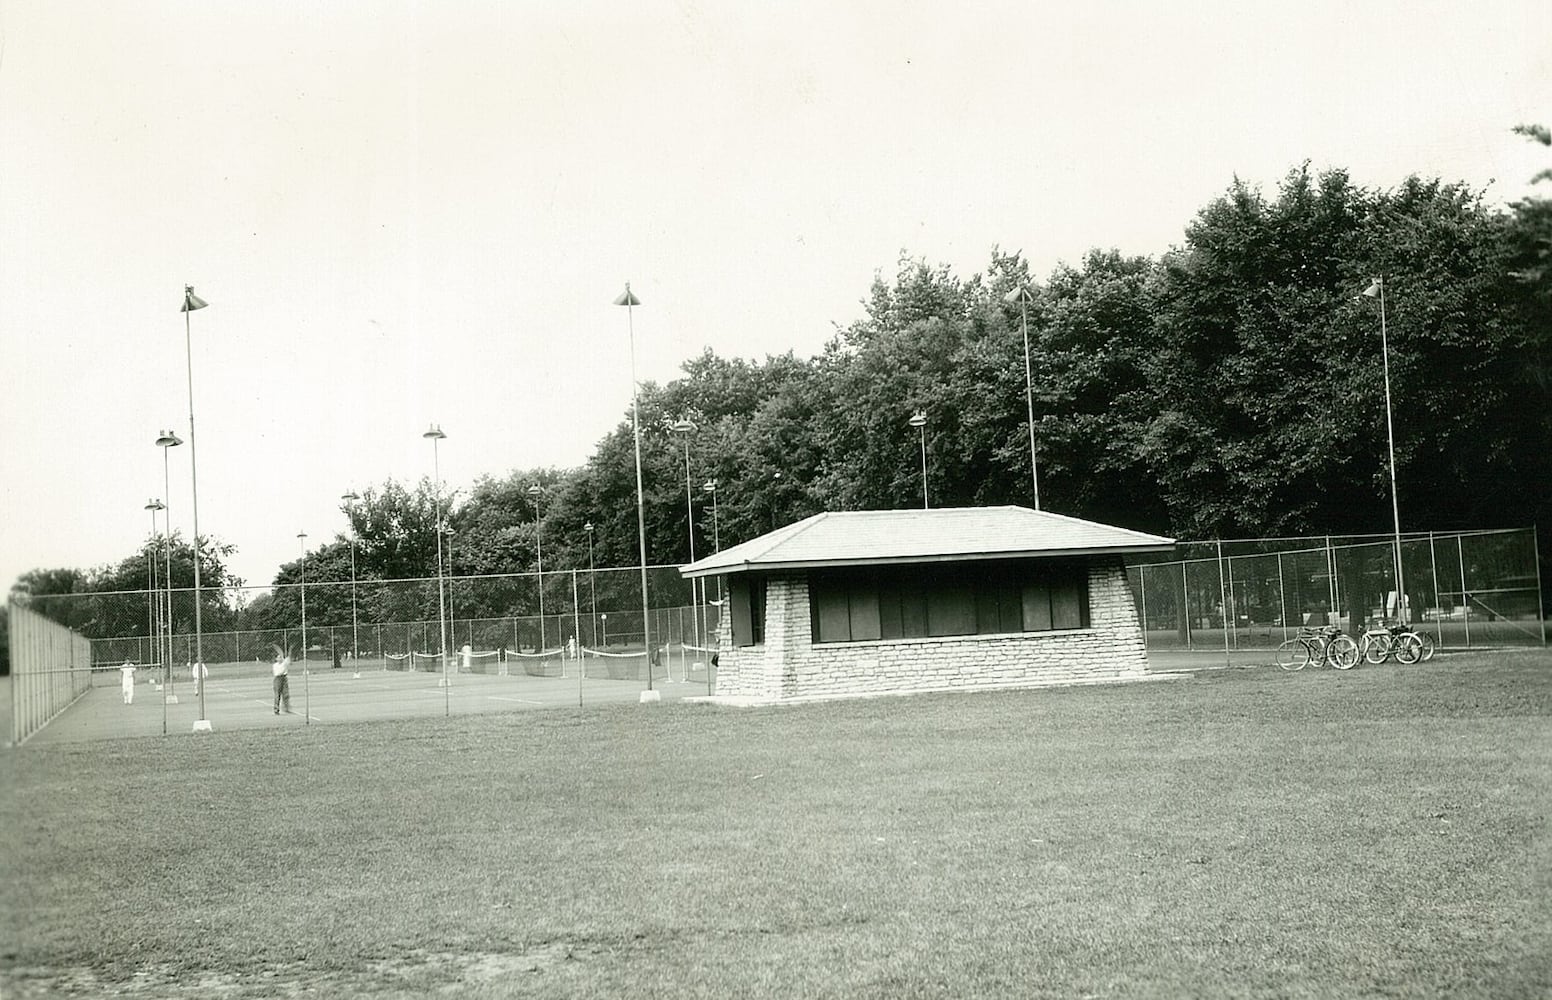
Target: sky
[[413, 213]]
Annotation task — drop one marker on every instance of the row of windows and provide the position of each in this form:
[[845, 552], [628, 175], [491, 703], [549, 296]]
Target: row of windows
[[921, 601], [855, 605]]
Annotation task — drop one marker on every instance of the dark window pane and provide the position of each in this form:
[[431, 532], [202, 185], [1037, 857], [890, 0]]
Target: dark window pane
[[1066, 607], [997, 606], [1010, 607], [951, 609], [830, 613], [913, 612], [757, 610], [1037, 607], [738, 598], [987, 619], [890, 625], [864, 610]]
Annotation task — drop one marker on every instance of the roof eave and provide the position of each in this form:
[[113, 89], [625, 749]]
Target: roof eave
[[750, 566]]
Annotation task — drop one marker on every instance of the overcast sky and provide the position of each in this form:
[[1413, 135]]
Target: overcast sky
[[403, 213]]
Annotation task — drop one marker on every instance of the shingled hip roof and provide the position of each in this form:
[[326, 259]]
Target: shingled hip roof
[[952, 534]]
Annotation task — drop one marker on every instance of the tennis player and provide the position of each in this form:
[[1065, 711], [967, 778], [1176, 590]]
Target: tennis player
[[281, 668]]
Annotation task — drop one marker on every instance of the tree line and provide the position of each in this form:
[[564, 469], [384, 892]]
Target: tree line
[[1233, 386]]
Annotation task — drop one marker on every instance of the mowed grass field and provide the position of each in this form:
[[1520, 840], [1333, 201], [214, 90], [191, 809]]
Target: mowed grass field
[[1243, 833]]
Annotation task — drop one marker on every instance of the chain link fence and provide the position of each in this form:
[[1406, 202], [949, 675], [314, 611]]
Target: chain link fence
[[51, 667], [1470, 589], [370, 648], [365, 619], [362, 649]]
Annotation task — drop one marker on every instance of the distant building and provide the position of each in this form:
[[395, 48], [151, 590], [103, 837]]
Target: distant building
[[889, 601]]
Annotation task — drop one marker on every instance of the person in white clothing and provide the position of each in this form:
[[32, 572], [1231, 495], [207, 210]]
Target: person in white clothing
[[127, 683], [199, 672], [281, 669]]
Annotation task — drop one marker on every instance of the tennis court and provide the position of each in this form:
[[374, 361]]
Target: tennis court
[[241, 696]]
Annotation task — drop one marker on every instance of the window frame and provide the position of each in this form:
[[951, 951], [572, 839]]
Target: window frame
[[746, 608], [948, 600]]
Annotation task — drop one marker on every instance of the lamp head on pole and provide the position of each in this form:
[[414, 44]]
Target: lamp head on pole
[[919, 419], [435, 433], [710, 486], [588, 527], [536, 491], [155, 505], [627, 298], [350, 497], [1374, 288], [167, 439], [191, 301], [1021, 293], [683, 427]]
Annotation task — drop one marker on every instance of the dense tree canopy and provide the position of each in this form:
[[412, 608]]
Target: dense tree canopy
[[1235, 386]]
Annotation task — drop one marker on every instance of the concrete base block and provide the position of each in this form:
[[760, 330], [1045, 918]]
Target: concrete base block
[[202, 726], [651, 696]]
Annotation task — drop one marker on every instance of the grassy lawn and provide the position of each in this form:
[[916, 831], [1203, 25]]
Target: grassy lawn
[[1247, 833]]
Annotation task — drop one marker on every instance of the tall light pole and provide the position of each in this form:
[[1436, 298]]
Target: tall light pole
[[710, 486], [536, 491], [192, 302], [452, 607], [435, 435], [629, 301], [592, 587], [685, 428], [307, 703], [153, 506], [1377, 288], [164, 441], [154, 601], [350, 499], [919, 421], [1024, 297]]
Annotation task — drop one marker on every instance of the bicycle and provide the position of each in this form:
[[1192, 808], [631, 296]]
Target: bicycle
[[1380, 642], [1413, 646], [1405, 643], [1325, 644]]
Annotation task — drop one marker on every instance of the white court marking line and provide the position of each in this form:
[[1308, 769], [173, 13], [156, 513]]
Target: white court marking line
[[520, 701]]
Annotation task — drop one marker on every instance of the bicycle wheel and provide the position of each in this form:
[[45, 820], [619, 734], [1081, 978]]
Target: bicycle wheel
[[1342, 653], [1426, 639], [1375, 647], [1292, 655], [1408, 647]]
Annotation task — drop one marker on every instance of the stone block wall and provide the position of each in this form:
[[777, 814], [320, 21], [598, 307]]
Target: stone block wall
[[788, 666]]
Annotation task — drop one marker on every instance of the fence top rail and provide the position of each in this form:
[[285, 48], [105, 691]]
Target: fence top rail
[[1381, 536], [1336, 543], [360, 581], [1312, 543]]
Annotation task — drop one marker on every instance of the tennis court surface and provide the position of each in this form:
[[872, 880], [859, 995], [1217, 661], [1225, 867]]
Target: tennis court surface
[[241, 696]]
